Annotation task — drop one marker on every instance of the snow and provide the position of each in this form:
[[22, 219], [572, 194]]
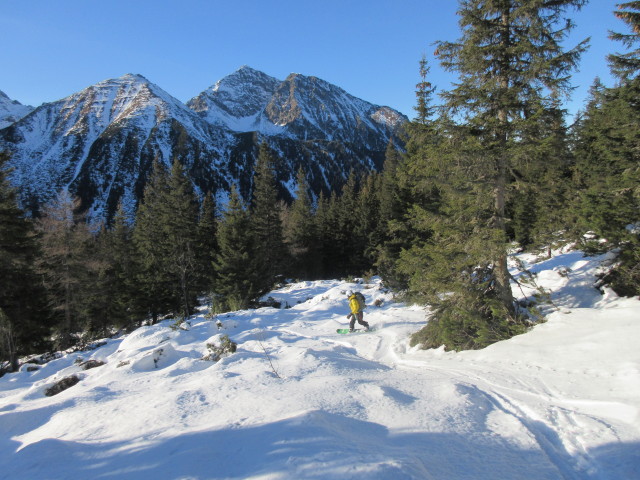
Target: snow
[[11, 110], [559, 402]]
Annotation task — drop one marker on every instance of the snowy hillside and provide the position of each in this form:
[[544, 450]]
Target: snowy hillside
[[299, 401], [11, 110]]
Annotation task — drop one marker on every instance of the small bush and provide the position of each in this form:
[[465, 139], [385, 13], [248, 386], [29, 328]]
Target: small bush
[[89, 364], [216, 352], [180, 323], [464, 324], [61, 386], [270, 302]]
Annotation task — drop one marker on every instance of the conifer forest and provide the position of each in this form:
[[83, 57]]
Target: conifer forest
[[490, 166]]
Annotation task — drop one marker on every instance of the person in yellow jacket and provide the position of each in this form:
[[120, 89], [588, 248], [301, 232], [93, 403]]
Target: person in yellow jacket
[[356, 305]]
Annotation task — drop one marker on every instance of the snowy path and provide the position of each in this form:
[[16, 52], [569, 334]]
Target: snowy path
[[560, 402]]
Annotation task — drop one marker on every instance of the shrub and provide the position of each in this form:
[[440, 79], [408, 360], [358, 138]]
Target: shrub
[[461, 323], [216, 352], [91, 364], [61, 386]]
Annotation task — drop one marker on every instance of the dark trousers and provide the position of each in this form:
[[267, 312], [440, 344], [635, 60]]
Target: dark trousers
[[357, 316]]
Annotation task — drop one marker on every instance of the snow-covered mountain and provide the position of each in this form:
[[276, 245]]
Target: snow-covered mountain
[[11, 110], [299, 107], [100, 143], [237, 100], [298, 401]]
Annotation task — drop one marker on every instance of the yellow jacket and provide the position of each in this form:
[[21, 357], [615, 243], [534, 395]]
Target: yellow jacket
[[354, 304]]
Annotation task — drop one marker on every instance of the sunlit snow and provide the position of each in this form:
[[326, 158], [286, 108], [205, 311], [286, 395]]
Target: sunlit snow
[[299, 401]]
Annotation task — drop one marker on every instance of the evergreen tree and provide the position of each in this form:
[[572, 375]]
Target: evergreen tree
[[180, 234], [424, 95], [511, 64], [541, 188], [323, 225], [607, 159], [207, 246], [266, 226], [96, 307], [368, 228], [236, 282], [125, 291], [8, 348], [348, 242], [395, 196], [390, 196], [300, 232], [23, 320], [626, 65], [165, 238], [151, 251], [65, 265]]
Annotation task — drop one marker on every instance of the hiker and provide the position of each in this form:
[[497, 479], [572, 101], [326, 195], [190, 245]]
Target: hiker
[[356, 303]]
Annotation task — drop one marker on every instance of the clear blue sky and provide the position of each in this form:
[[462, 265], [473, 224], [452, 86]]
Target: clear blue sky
[[370, 48]]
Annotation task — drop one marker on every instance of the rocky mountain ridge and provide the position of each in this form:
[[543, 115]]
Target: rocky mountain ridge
[[11, 110], [100, 143]]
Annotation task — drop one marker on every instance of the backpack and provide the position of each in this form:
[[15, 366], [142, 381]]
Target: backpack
[[361, 300]]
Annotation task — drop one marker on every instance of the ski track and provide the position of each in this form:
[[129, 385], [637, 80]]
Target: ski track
[[554, 414]]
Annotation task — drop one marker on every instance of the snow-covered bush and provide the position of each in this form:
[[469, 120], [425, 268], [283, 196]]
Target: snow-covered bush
[[225, 347]]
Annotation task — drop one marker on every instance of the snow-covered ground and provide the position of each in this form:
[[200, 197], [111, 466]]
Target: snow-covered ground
[[299, 401]]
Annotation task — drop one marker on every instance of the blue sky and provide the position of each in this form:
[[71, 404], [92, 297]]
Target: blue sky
[[370, 48]]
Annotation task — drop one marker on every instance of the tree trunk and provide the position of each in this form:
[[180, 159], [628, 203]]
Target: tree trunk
[[501, 271], [185, 293]]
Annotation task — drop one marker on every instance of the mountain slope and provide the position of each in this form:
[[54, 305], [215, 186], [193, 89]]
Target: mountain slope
[[237, 100], [299, 107], [100, 143], [296, 400], [11, 110], [309, 122]]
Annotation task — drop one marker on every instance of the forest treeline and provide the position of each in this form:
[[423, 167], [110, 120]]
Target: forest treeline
[[494, 166]]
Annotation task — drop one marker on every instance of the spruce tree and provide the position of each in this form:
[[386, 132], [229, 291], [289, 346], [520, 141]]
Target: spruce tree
[[368, 228], [300, 232], [323, 226], [207, 245], [165, 236], [180, 235], [151, 249], [65, 265], [237, 282], [627, 65], [606, 170], [23, 318], [511, 65], [347, 240], [266, 225], [541, 188], [122, 293]]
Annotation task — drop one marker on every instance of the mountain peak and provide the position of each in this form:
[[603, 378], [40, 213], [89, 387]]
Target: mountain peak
[[244, 76], [11, 110], [133, 78], [250, 100], [242, 94]]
